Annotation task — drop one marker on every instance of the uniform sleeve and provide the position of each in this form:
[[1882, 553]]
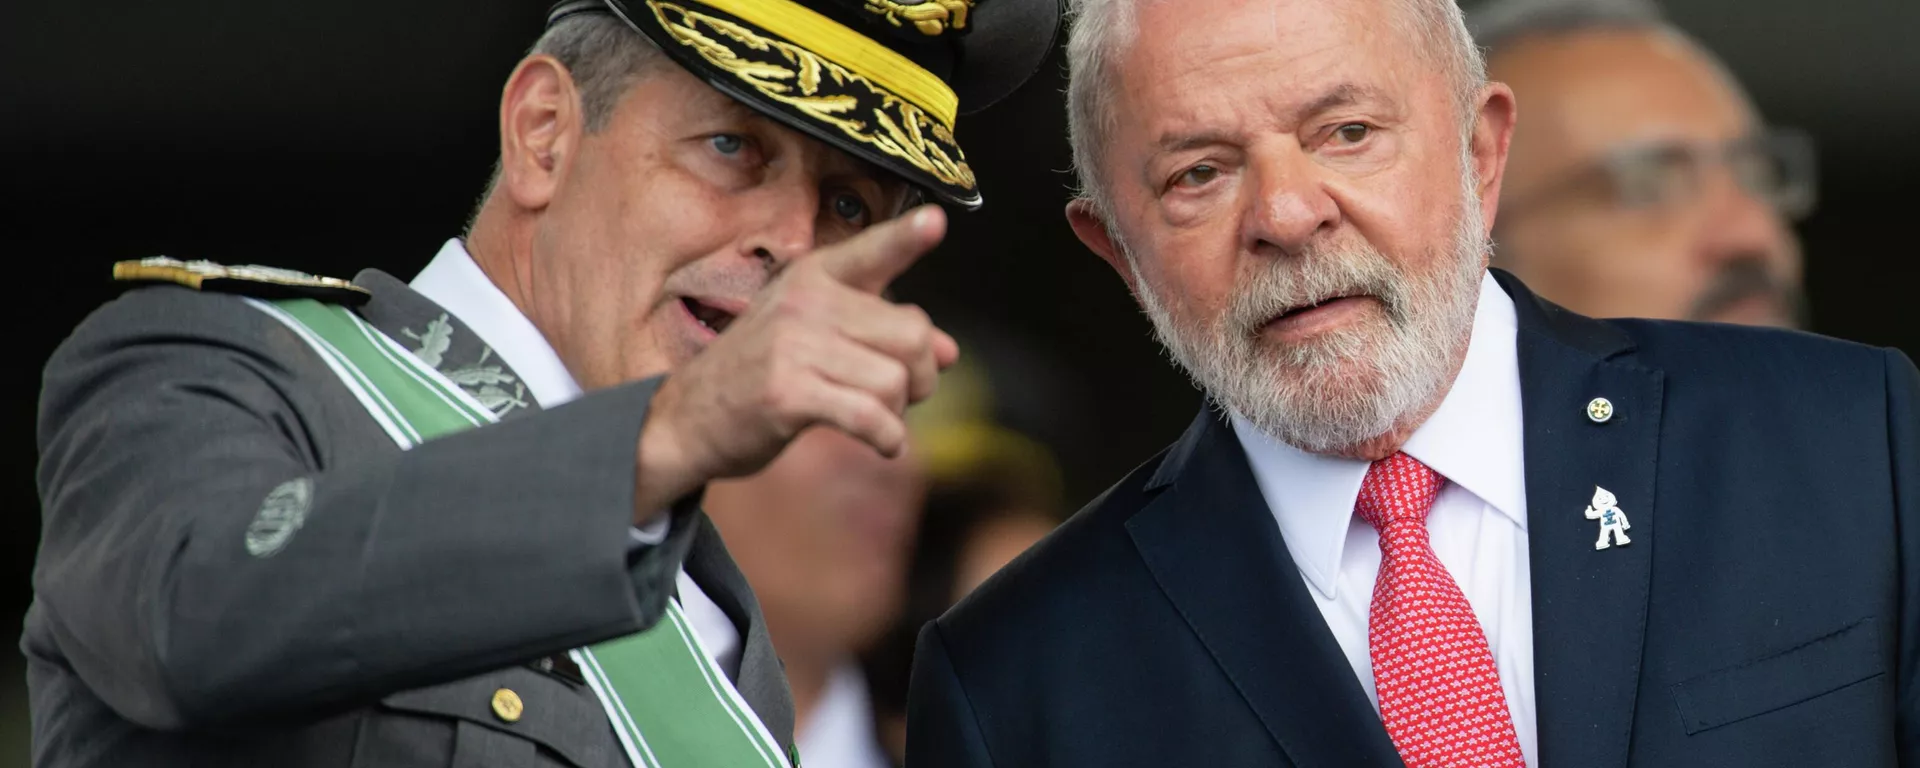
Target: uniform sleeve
[[942, 730], [1903, 413], [170, 420]]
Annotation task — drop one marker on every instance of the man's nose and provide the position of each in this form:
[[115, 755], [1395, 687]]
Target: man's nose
[[1288, 204], [1737, 223], [783, 221]]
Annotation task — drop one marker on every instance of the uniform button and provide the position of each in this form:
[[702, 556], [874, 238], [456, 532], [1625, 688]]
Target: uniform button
[[506, 705], [1599, 410]]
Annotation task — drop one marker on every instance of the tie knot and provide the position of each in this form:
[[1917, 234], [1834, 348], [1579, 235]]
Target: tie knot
[[1398, 489]]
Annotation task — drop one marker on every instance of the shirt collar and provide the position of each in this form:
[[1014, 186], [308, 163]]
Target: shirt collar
[[453, 281], [1473, 439]]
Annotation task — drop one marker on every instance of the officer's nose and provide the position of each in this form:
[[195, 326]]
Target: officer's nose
[[784, 223]]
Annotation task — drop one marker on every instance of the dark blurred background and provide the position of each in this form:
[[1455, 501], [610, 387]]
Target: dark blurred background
[[329, 136]]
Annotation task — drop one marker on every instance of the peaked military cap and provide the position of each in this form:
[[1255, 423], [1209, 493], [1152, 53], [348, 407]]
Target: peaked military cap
[[883, 79]]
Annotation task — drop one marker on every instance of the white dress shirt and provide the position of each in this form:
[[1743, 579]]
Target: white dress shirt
[[1478, 525], [840, 733], [453, 281]]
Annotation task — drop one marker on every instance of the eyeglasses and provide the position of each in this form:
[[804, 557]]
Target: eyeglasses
[[1777, 167]]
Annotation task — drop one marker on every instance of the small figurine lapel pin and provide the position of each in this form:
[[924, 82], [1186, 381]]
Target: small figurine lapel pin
[[1613, 522]]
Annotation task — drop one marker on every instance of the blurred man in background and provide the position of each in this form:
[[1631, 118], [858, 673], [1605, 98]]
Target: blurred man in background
[[851, 569], [1642, 181], [823, 535], [993, 490]]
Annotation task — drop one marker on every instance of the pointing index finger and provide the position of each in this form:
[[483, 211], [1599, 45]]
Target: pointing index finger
[[872, 259]]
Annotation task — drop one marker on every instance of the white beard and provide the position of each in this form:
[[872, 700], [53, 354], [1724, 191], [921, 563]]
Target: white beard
[[1347, 387]]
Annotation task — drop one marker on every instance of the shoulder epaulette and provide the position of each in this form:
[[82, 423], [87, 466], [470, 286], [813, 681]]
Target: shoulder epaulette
[[245, 280]]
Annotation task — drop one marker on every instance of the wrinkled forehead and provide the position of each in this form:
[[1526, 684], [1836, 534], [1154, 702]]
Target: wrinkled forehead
[[1186, 56]]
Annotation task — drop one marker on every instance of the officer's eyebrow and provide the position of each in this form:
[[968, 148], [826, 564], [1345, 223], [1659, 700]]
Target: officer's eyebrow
[[897, 194]]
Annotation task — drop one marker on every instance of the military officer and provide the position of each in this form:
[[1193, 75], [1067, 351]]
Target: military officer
[[295, 521]]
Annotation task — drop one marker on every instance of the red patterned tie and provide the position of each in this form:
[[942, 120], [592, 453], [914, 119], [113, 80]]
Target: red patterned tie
[[1439, 690]]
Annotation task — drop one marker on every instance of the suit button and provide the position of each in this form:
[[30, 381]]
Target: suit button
[[507, 706], [1600, 410]]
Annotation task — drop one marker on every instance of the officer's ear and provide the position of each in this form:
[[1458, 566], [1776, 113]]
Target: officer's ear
[[540, 129]]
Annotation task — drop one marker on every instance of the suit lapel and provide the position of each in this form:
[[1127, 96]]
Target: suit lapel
[[761, 681], [1214, 549], [439, 339], [1589, 606]]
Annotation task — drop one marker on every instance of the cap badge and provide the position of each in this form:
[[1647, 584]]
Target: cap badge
[[829, 73], [932, 17]]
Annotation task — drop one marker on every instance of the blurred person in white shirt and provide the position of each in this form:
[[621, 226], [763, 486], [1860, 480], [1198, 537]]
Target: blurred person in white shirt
[[830, 573]]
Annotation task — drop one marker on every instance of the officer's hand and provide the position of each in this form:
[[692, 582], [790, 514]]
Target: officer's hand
[[818, 346]]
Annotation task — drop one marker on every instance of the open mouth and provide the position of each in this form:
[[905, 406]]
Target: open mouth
[[714, 318], [1305, 308]]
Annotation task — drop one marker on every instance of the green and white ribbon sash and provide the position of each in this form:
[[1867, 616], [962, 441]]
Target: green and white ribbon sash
[[667, 700]]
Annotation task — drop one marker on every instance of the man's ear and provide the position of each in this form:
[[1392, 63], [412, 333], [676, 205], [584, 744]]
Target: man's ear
[[1092, 231], [1492, 133], [540, 130]]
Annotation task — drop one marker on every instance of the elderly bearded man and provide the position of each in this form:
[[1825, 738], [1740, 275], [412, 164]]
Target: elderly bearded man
[[1383, 546], [283, 532]]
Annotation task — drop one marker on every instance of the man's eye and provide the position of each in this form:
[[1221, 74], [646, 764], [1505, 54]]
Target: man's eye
[[727, 143], [850, 207], [1196, 176], [1353, 133]]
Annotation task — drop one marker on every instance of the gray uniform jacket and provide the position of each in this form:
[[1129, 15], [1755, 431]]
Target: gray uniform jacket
[[418, 584]]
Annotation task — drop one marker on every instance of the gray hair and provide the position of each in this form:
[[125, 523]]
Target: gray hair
[[1101, 29], [1501, 23], [605, 58]]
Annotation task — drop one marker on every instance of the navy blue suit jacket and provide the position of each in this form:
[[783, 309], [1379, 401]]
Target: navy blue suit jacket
[[1766, 614]]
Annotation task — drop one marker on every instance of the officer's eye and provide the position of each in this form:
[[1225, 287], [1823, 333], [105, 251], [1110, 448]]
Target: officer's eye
[[727, 143], [1353, 133], [850, 208], [1197, 176]]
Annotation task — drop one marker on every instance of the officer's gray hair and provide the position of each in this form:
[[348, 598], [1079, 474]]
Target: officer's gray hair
[[1501, 23], [605, 57], [1101, 29]]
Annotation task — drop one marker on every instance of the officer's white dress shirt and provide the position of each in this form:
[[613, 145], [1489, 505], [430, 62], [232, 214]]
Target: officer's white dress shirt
[[1478, 525], [453, 281], [840, 732]]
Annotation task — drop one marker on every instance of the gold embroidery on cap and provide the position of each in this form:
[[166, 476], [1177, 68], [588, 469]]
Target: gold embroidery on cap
[[932, 17], [821, 89]]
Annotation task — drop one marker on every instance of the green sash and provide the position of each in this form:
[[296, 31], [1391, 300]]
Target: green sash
[[671, 706]]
